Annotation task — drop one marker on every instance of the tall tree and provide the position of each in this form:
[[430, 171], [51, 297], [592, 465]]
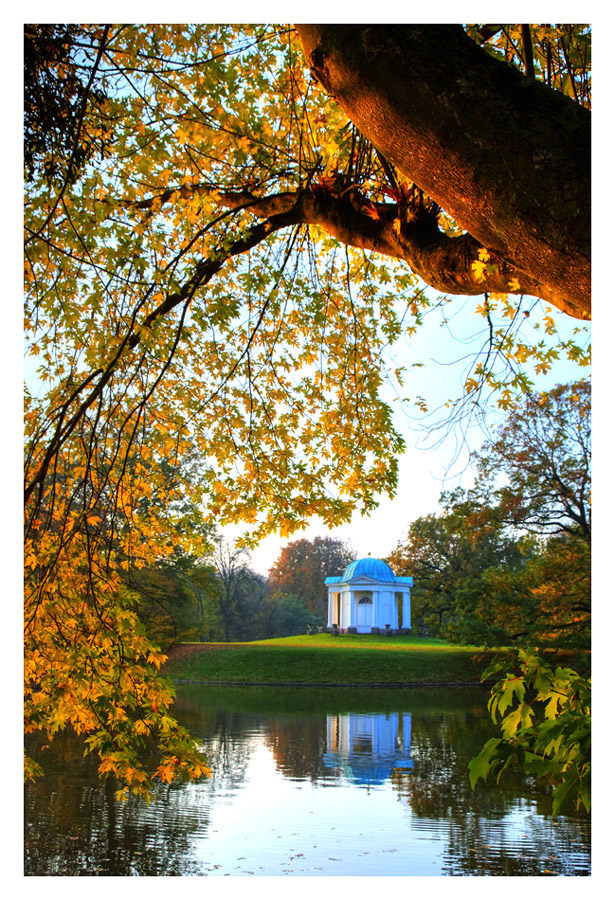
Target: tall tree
[[302, 566], [538, 466], [238, 588], [217, 261], [544, 600], [447, 555], [510, 562]]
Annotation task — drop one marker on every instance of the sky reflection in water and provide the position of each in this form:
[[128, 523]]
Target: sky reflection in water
[[309, 782]]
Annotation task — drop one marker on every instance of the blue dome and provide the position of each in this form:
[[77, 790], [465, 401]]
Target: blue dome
[[373, 568]]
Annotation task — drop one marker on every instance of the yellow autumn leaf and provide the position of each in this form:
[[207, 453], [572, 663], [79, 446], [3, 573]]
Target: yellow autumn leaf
[[478, 270]]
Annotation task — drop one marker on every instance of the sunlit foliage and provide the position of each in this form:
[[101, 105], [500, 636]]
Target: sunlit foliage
[[183, 303]]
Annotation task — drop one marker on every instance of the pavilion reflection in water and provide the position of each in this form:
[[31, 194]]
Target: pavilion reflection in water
[[366, 748]]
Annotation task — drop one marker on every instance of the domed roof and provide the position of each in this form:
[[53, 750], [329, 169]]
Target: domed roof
[[373, 568]]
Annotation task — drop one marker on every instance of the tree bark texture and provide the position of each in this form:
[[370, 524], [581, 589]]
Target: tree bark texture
[[504, 155]]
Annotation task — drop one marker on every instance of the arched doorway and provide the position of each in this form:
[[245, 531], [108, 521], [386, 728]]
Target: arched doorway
[[364, 613]]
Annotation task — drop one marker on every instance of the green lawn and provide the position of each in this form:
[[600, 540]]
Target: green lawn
[[324, 659]]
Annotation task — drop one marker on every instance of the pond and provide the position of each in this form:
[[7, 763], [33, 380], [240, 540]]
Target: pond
[[308, 782]]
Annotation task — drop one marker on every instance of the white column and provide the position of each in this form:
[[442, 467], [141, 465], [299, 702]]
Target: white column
[[375, 608], [352, 612], [386, 616], [406, 609]]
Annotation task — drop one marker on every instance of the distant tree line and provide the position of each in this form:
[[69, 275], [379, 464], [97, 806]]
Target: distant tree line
[[221, 598]]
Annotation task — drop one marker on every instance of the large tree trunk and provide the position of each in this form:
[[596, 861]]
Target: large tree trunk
[[507, 157]]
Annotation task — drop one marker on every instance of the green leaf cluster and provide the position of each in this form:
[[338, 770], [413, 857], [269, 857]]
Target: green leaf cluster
[[544, 716]]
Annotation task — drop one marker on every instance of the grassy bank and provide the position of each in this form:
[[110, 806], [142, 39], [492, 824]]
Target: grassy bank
[[324, 659]]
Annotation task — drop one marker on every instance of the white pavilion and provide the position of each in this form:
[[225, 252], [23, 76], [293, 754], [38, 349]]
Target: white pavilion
[[369, 599]]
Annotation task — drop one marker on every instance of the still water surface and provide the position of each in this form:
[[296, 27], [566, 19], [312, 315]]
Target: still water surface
[[308, 782]]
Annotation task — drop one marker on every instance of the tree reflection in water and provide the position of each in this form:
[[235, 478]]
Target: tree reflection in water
[[413, 745]]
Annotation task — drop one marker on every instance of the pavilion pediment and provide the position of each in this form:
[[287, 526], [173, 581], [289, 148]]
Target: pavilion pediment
[[364, 580]]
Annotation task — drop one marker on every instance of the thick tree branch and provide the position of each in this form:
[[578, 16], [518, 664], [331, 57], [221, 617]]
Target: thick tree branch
[[443, 262], [507, 157]]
